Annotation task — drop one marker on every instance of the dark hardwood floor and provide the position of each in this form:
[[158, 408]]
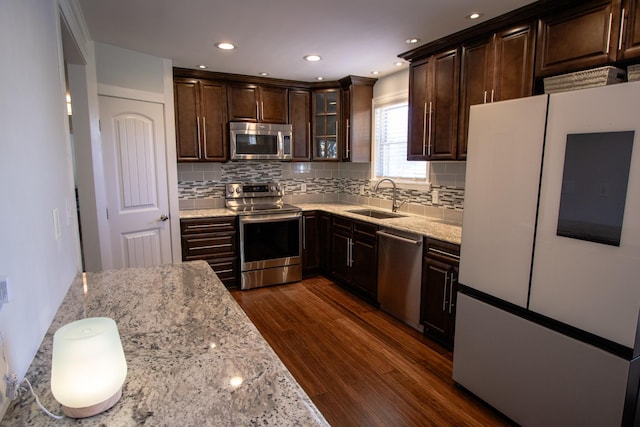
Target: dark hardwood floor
[[360, 366]]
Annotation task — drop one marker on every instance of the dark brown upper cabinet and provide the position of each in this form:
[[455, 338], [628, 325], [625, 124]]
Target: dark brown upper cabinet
[[300, 119], [629, 38], [357, 93], [495, 68], [326, 107], [581, 37], [433, 107], [201, 120], [256, 103]]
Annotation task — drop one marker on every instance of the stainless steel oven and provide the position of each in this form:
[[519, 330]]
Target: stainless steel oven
[[270, 235]]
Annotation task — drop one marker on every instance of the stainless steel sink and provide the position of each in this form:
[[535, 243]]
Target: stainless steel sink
[[376, 214]]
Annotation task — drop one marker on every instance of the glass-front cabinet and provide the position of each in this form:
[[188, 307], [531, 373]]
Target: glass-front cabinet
[[326, 113]]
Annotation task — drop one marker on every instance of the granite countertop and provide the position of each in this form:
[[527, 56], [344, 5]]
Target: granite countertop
[[426, 226], [184, 338]]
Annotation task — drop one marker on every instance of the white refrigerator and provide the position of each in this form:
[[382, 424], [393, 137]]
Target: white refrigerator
[[548, 307]]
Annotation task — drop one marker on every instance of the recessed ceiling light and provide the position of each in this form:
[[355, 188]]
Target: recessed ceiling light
[[319, 78], [312, 58], [264, 74], [474, 15], [225, 46], [412, 41], [398, 64], [375, 73], [202, 66]]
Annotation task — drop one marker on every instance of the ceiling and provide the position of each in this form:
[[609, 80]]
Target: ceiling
[[352, 36]]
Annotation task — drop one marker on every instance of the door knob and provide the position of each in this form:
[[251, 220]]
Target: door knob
[[163, 217]]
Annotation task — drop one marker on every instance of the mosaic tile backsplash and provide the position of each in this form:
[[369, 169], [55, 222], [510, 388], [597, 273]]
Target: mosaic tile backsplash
[[201, 185]]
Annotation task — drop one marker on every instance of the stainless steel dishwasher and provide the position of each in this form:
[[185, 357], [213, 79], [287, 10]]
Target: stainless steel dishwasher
[[399, 275]]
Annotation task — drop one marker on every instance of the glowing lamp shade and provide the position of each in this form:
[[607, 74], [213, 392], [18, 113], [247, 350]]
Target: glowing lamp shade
[[88, 367]]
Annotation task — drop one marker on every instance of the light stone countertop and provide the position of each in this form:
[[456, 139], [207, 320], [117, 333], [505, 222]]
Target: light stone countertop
[[168, 317], [426, 226]]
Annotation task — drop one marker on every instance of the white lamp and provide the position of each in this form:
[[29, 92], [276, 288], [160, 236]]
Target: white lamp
[[88, 367]]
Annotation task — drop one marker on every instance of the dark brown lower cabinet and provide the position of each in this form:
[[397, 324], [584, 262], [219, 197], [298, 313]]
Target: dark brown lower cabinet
[[214, 240], [310, 243], [439, 287], [354, 257]]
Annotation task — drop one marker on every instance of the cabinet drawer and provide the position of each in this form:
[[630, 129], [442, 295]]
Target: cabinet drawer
[[208, 245], [442, 251], [225, 268], [365, 230], [207, 225], [342, 225]]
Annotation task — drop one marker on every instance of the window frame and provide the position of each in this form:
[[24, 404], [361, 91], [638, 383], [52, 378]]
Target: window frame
[[415, 183]]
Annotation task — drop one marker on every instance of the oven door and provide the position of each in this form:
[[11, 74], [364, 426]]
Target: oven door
[[270, 249]]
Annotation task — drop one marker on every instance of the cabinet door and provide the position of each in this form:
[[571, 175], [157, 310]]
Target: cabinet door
[[186, 104], [580, 38], [442, 119], [310, 258], [435, 299], [365, 267], [514, 63], [629, 43], [340, 257], [358, 134], [273, 104], [476, 83], [243, 103], [324, 242], [213, 126], [418, 108], [300, 119], [326, 110]]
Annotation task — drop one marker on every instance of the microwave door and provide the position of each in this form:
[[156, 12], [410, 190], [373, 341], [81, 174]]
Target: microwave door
[[254, 146]]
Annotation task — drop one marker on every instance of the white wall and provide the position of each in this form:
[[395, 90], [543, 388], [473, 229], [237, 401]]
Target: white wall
[[392, 84], [35, 177], [126, 68]]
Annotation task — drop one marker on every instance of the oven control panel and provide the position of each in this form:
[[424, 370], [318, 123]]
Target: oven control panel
[[269, 189]]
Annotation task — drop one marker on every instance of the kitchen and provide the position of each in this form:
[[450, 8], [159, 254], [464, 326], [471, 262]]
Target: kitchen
[[57, 258]]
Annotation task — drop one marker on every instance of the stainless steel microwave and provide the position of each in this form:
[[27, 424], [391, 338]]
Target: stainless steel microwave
[[260, 141]]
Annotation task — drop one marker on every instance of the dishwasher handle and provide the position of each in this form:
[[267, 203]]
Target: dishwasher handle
[[403, 239]]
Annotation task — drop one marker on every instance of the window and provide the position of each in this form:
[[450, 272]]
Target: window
[[391, 117]]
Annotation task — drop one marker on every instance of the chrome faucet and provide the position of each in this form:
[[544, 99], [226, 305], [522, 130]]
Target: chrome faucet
[[394, 207]]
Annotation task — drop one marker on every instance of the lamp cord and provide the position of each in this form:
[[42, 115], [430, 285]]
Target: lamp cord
[[45, 410]]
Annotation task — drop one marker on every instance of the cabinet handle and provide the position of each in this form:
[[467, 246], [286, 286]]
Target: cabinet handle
[[609, 32], [257, 110], [492, 91], [445, 253], [444, 292], [485, 97], [262, 109], [195, 248], [621, 30], [347, 139], [190, 227], [424, 131], [199, 145], [204, 134], [350, 252], [309, 130], [430, 114], [451, 294]]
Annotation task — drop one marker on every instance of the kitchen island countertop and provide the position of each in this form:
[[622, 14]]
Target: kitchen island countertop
[[426, 226], [184, 339]]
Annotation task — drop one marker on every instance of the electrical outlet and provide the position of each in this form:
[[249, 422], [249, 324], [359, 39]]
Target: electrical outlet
[[435, 197], [303, 188], [362, 190]]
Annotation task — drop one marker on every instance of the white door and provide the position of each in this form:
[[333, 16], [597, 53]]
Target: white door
[[133, 144]]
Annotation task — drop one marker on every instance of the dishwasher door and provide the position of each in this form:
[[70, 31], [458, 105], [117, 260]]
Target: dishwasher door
[[400, 275]]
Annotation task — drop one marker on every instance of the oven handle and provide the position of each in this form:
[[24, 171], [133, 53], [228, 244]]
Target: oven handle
[[269, 218]]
